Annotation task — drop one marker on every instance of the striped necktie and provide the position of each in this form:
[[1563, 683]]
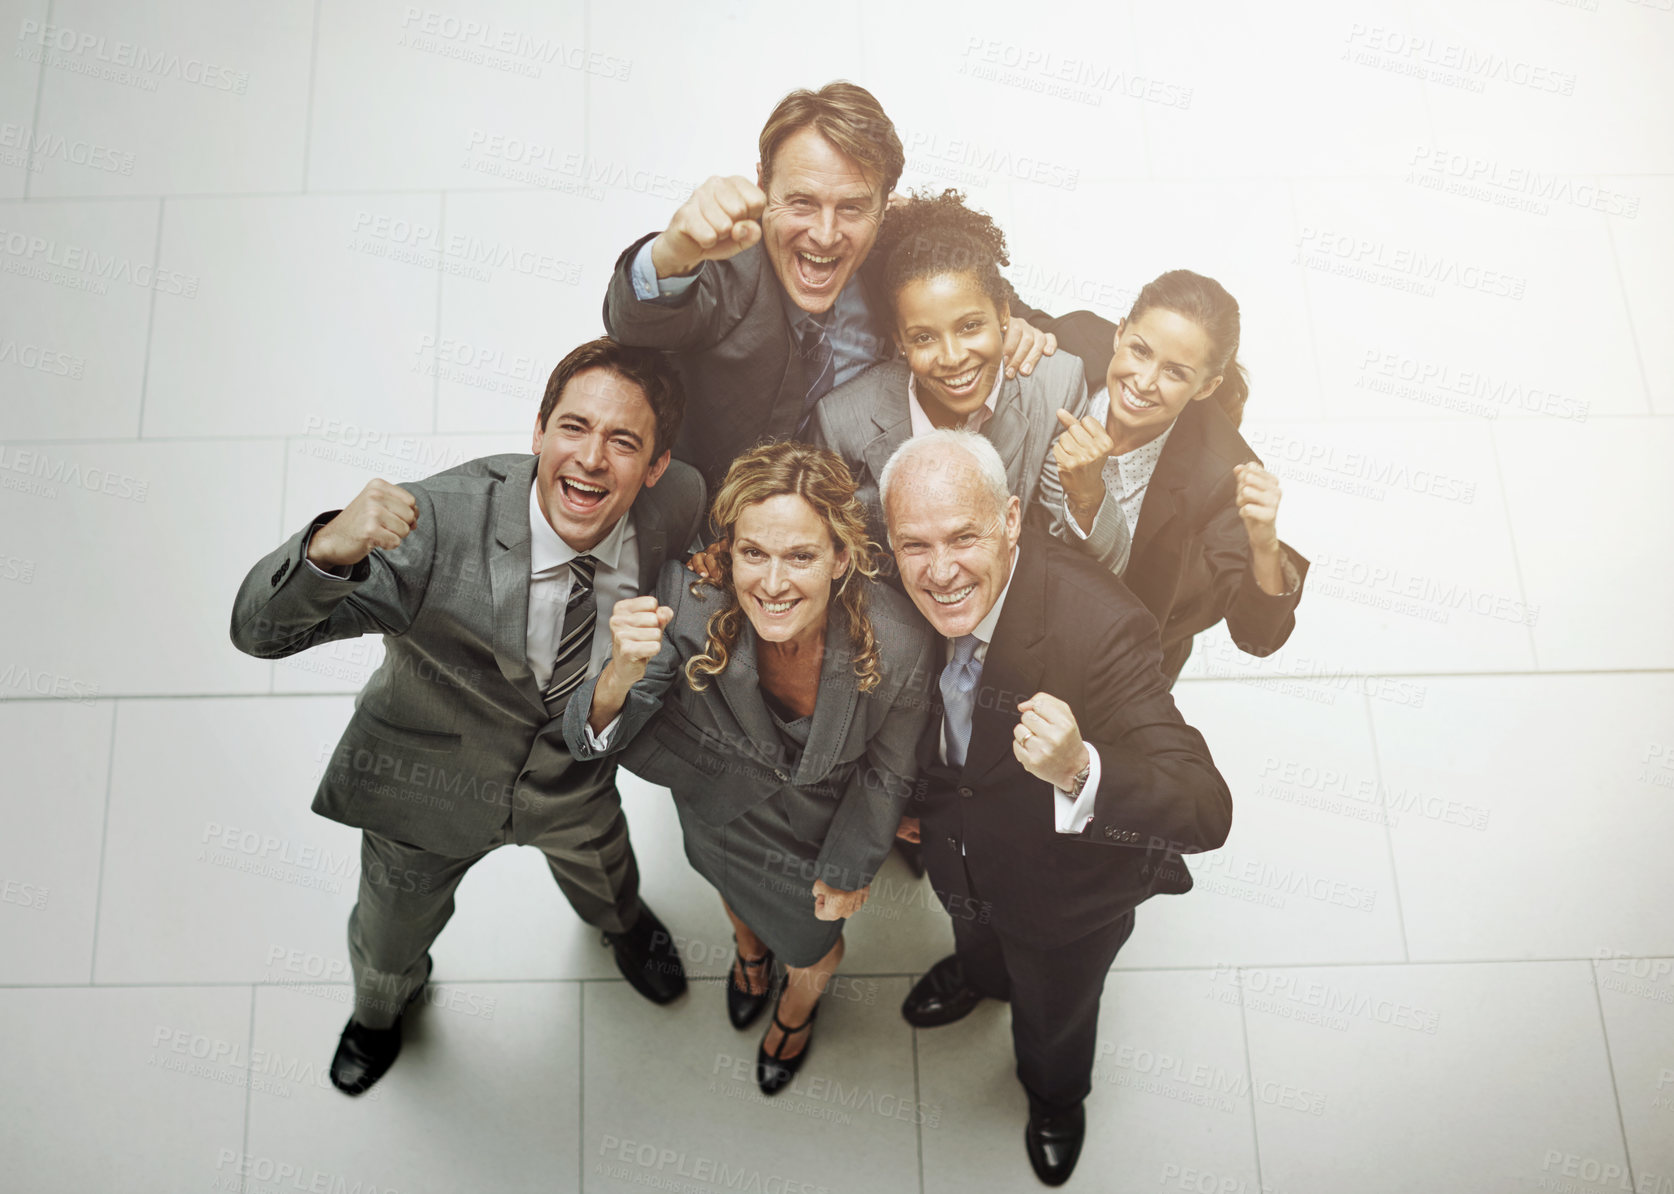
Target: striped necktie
[[575, 640]]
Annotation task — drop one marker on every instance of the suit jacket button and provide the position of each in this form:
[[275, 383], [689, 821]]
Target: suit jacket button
[[280, 575], [966, 792], [952, 843], [1110, 832]]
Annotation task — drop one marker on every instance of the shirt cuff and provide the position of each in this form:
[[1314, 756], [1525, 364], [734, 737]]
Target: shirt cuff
[[601, 740], [1071, 813], [1293, 578], [1074, 526], [647, 285]]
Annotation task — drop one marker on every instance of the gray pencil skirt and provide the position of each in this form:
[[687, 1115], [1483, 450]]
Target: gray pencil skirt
[[766, 876]]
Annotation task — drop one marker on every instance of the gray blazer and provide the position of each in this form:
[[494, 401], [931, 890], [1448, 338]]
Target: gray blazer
[[866, 419], [719, 751], [450, 733]]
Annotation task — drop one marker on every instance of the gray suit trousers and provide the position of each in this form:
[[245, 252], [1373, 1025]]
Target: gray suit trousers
[[406, 897]]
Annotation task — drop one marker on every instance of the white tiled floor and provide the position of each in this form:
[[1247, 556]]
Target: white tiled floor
[[251, 256]]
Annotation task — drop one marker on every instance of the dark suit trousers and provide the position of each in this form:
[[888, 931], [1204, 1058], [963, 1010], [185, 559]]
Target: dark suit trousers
[[406, 897], [1054, 996]]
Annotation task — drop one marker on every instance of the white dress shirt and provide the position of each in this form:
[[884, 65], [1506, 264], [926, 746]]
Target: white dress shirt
[[615, 576], [975, 421], [1070, 812]]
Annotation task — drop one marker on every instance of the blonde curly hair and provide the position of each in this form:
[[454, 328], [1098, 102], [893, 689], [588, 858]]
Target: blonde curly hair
[[821, 479]]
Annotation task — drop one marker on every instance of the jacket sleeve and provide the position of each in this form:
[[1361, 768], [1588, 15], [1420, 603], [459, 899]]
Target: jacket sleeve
[[870, 808], [645, 698], [1258, 622], [285, 605], [695, 319], [1159, 789]]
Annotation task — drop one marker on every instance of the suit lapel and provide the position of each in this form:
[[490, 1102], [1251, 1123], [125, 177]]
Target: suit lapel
[[895, 427], [508, 576], [1009, 427], [650, 538], [834, 708], [740, 686], [1011, 670]]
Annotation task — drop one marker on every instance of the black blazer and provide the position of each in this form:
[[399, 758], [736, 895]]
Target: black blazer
[[1071, 629], [1190, 561]]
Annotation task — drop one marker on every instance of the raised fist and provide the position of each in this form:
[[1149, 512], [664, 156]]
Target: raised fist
[[636, 635], [720, 219], [382, 515]]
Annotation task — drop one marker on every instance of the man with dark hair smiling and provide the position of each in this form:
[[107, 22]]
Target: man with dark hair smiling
[[756, 286], [492, 584], [1085, 815]]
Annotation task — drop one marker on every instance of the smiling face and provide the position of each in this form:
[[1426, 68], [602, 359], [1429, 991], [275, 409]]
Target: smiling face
[[952, 335], [954, 548], [821, 218], [595, 454], [1162, 363], [783, 566]]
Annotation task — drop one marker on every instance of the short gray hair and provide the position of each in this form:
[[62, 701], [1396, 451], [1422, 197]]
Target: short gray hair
[[990, 469]]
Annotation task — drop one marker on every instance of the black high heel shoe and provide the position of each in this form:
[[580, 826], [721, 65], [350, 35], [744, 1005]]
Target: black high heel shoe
[[774, 1072], [743, 1008]]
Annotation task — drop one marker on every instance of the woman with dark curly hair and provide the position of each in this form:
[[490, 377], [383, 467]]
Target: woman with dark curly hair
[[781, 700], [949, 311]]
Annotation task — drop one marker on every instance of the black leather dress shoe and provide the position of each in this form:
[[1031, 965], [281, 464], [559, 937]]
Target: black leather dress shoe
[[941, 996], [365, 1054], [1054, 1144], [646, 956], [743, 1007], [773, 1072]]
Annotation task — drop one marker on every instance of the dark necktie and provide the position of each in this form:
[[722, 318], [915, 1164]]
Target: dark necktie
[[819, 355], [958, 684], [575, 638]]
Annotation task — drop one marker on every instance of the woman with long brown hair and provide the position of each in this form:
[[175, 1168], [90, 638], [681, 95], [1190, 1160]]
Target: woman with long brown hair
[[781, 700], [1158, 484]]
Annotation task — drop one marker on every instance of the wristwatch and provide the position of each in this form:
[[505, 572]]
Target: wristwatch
[[1082, 776]]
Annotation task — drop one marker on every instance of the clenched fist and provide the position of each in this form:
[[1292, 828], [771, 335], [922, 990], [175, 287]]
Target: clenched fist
[[636, 635], [1257, 495], [720, 219], [382, 515], [831, 904], [1080, 452], [1048, 742]]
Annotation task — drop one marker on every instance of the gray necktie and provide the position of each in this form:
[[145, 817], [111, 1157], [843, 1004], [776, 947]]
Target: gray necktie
[[575, 638], [813, 343], [958, 683]]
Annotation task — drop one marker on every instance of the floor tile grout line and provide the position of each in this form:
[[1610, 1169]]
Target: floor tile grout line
[[249, 1086], [1249, 1073], [1610, 1064], [1627, 312], [918, 1110], [581, 1091], [1511, 536], [104, 835], [349, 692], [150, 324], [308, 118], [1195, 968], [35, 115], [1388, 830]]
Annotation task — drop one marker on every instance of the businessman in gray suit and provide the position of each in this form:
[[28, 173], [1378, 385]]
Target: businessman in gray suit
[[757, 287], [492, 584]]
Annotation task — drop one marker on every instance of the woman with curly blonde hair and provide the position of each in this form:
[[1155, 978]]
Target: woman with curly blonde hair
[[781, 700]]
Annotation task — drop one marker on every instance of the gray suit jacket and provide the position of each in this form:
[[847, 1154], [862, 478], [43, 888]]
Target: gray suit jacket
[[866, 419], [720, 752], [731, 341], [450, 734]]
